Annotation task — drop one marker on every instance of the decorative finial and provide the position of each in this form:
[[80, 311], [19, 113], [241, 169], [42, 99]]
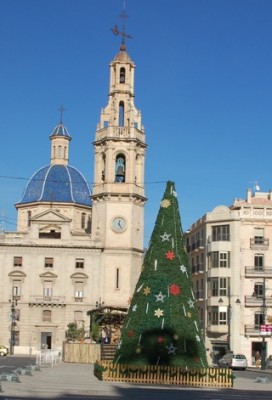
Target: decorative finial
[[116, 31], [61, 110]]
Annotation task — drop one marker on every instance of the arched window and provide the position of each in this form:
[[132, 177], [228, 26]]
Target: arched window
[[120, 168], [59, 151], [121, 113], [122, 75]]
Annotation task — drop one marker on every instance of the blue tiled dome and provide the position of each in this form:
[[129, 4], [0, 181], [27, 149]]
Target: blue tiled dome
[[57, 183], [60, 130]]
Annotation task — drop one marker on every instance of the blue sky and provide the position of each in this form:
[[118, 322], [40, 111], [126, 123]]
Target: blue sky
[[203, 84]]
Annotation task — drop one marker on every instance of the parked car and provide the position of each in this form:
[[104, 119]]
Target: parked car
[[234, 361], [4, 350]]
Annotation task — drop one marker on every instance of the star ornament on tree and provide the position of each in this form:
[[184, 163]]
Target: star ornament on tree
[[174, 289], [171, 349], [158, 313], [147, 290], [170, 255], [184, 270], [165, 203], [160, 297], [191, 303], [165, 237]]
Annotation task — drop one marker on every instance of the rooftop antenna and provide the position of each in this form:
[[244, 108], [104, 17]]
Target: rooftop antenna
[[116, 31], [61, 110]]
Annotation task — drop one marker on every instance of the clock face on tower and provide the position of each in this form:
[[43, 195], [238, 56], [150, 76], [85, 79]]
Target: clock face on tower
[[119, 224]]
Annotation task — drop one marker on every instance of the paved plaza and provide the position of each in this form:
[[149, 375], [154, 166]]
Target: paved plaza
[[76, 381]]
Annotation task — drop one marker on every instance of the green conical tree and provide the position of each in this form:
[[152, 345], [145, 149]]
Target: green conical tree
[[162, 324]]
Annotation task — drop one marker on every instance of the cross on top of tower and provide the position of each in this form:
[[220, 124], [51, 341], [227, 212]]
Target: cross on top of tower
[[116, 31], [61, 110]]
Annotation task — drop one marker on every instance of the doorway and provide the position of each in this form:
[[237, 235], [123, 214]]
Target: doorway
[[46, 340]]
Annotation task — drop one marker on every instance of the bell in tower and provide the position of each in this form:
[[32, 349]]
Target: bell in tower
[[120, 169]]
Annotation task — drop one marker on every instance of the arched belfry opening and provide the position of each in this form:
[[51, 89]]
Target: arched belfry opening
[[122, 75], [120, 168], [121, 113]]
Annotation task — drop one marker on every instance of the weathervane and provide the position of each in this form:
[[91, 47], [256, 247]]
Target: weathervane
[[116, 31]]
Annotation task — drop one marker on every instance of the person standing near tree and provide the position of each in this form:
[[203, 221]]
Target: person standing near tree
[[257, 358]]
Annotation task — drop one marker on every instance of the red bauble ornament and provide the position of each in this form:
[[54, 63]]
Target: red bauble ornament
[[170, 255], [174, 289]]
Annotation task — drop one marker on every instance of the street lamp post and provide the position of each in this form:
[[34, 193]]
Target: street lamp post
[[263, 348], [13, 304], [229, 316]]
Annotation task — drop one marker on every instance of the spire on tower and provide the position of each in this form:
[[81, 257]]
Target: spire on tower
[[116, 31]]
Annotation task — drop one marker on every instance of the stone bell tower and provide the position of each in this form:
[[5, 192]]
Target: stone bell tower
[[119, 191]]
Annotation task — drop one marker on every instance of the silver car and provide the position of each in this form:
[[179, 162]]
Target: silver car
[[234, 361]]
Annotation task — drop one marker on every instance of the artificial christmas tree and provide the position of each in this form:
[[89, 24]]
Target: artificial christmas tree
[[162, 324]]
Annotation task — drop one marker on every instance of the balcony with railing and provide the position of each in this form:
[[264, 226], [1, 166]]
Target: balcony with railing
[[198, 268], [199, 295], [259, 243], [257, 301], [119, 132], [217, 328], [256, 272], [47, 301], [252, 330], [195, 246]]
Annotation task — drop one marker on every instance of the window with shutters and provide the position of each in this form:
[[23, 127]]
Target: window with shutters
[[18, 261], [47, 315], [48, 262], [47, 290], [78, 291]]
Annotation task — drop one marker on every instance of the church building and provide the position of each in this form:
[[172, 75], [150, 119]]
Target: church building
[[77, 247]]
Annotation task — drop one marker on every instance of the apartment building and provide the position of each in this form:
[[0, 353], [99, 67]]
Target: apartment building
[[230, 253]]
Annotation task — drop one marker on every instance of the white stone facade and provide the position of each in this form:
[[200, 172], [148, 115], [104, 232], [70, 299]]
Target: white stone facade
[[230, 251], [67, 258]]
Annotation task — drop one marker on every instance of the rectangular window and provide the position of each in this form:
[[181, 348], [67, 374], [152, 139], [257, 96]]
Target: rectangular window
[[117, 278], [219, 259], [214, 287], [222, 317], [258, 262], [258, 320], [80, 263], [78, 291], [220, 233], [28, 218], [83, 220], [78, 316], [48, 262], [222, 286], [214, 259], [18, 261], [223, 260], [46, 315], [258, 235], [16, 289], [213, 316], [258, 290], [47, 290]]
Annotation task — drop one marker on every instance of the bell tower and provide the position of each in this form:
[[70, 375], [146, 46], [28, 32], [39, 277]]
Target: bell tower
[[119, 191]]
